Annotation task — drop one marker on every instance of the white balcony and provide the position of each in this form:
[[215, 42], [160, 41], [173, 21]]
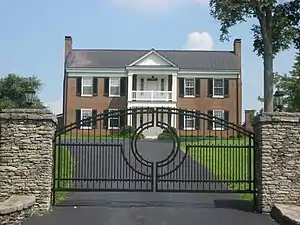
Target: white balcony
[[152, 96]]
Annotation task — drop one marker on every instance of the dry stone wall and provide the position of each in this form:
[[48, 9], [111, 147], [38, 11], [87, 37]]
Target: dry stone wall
[[16, 209], [26, 154], [277, 159]]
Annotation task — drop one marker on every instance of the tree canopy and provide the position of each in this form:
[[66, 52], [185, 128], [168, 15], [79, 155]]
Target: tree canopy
[[277, 29], [290, 85], [13, 89]]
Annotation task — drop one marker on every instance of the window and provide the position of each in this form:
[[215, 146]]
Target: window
[[189, 87], [162, 85], [218, 87], [87, 86], [113, 121], [114, 87], [86, 113], [219, 114], [189, 121], [142, 84]]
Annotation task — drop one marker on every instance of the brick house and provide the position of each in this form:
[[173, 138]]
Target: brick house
[[108, 79]]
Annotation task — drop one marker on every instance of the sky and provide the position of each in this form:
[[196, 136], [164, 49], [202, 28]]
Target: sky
[[33, 31]]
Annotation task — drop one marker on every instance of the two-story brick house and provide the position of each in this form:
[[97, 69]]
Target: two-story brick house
[[107, 79]]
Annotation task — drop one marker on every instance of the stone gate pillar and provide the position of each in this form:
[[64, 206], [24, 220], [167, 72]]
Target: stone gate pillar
[[26, 154], [277, 159]]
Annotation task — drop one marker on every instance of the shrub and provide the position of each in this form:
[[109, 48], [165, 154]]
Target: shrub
[[165, 136], [126, 131], [140, 136]]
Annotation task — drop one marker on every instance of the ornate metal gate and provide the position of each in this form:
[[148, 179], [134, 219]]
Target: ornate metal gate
[[192, 152]]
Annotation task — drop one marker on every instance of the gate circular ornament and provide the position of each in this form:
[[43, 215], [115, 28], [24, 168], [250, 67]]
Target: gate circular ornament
[[166, 129]]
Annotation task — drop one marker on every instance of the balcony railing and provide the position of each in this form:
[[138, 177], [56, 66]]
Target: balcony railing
[[152, 95]]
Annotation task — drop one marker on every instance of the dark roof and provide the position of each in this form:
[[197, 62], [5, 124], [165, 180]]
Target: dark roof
[[109, 58]]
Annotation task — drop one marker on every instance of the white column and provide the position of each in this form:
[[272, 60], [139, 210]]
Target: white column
[[173, 120], [174, 88], [129, 87], [129, 117]]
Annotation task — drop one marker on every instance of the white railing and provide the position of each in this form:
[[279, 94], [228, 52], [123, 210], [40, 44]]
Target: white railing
[[152, 95]]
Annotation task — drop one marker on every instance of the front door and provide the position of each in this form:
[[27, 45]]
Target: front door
[[152, 85]]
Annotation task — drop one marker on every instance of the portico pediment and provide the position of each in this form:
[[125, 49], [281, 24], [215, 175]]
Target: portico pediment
[[152, 59]]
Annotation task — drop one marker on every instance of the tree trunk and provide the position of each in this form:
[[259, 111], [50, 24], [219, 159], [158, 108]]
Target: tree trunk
[[266, 29], [268, 78]]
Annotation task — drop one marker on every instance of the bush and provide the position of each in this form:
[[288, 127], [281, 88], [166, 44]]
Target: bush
[[140, 136], [126, 131], [165, 136]]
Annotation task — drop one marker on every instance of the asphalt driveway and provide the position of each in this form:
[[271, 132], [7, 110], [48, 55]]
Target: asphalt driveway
[[145, 208]]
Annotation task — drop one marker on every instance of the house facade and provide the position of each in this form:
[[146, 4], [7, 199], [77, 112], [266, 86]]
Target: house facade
[[97, 80]]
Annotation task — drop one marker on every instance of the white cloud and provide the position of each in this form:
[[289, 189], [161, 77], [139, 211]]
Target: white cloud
[[55, 106], [155, 5], [199, 41]]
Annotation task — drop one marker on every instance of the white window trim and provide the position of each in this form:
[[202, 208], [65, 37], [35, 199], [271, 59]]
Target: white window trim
[[82, 85], [109, 86], [218, 96], [189, 96], [184, 122], [217, 110], [81, 118], [108, 125]]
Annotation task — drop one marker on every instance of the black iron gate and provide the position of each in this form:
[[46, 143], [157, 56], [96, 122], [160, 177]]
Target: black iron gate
[[162, 150]]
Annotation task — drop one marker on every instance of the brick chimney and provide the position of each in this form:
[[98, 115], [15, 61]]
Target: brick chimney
[[249, 113], [68, 45], [237, 47]]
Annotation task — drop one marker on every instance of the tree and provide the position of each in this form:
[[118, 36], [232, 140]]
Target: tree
[[275, 31], [290, 84], [13, 89]]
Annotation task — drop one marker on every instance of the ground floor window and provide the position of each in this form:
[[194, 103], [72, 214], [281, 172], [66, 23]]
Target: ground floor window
[[218, 125], [86, 113], [189, 121], [113, 121]]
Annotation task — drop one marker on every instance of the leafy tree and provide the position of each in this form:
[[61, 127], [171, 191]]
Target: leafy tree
[[13, 89], [276, 30], [290, 84]]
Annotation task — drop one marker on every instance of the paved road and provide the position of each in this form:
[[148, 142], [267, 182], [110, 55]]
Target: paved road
[[153, 209], [145, 208]]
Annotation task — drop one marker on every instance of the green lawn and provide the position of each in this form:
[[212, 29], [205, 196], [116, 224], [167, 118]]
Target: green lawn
[[225, 160], [66, 169]]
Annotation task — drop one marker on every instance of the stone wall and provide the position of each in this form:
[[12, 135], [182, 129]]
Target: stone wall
[[16, 209], [26, 154], [277, 159]]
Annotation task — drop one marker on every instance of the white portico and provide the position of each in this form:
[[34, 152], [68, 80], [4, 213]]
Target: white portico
[[152, 82]]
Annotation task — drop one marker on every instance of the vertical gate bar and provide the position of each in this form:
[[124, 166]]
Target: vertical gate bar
[[94, 152], [89, 168], [201, 152], [254, 176], [250, 163], [59, 162], [214, 154]]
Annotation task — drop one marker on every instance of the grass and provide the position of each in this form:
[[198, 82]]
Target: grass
[[226, 163], [65, 165]]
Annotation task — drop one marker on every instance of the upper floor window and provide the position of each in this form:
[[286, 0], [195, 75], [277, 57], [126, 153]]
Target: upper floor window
[[142, 84], [114, 86], [218, 87], [87, 86], [189, 87], [162, 84]]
